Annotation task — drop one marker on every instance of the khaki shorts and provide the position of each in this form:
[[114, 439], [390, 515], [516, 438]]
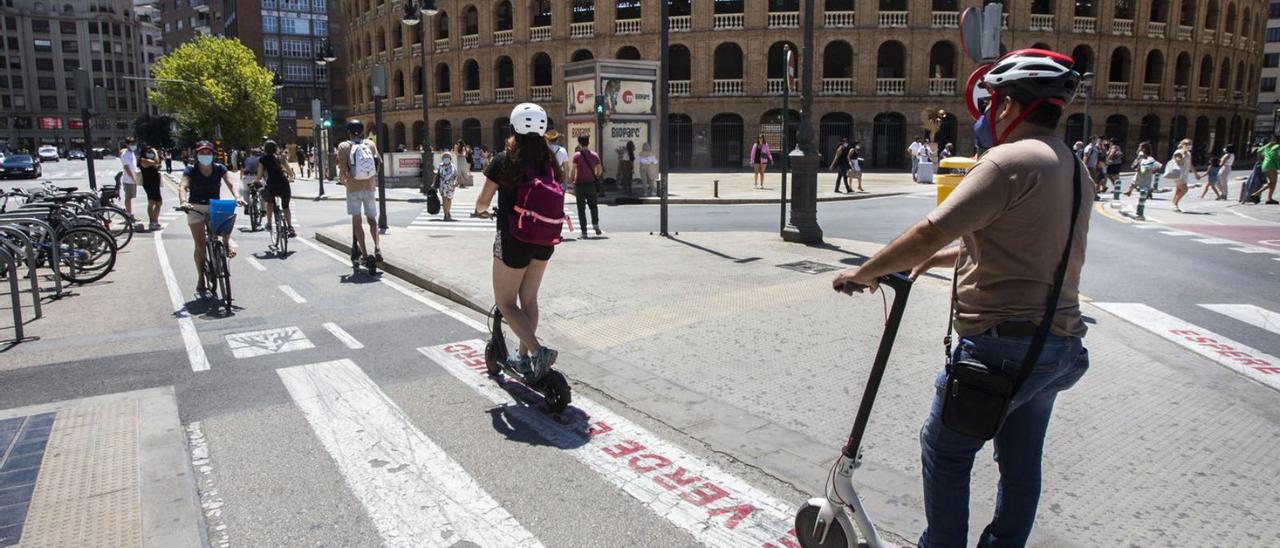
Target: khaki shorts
[[193, 218], [362, 201], [129, 191]]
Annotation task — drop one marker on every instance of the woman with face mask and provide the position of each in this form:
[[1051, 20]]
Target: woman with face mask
[[446, 181], [200, 184]]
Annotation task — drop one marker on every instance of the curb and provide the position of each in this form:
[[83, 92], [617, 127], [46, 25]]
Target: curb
[[674, 201], [411, 277]]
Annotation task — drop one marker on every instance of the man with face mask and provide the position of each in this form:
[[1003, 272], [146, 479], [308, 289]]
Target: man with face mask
[[129, 178], [1023, 224]]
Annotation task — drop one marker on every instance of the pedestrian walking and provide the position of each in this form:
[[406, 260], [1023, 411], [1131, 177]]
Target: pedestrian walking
[[1173, 174], [923, 156], [553, 142], [462, 152], [761, 157], [947, 151], [168, 161], [1212, 173], [1270, 154], [1145, 168], [129, 175], [855, 164], [647, 162], [584, 172], [840, 163], [1189, 174], [626, 166], [1023, 227], [446, 181], [1092, 153], [1227, 162], [149, 166], [301, 153], [1115, 157], [914, 151]]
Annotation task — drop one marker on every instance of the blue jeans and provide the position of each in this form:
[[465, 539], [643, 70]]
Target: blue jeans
[[947, 456]]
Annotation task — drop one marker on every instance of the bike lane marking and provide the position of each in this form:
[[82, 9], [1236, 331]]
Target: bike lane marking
[[1238, 357], [292, 294], [190, 339], [413, 492], [343, 336], [1253, 315], [714, 506], [255, 264]]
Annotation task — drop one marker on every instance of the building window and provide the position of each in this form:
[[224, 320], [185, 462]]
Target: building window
[[300, 49], [270, 23], [318, 6], [320, 27], [296, 71], [269, 4], [70, 64], [46, 83], [16, 82], [43, 63], [1271, 60], [70, 46], [15, 62], [43, 44], [1273, 10], [1273, 34], [1268, 84], [264, 24], [322, 72], [67, 27], [20, 102], [289, 25], [40, 25], [47, 102], [11, 23], [270, 47]]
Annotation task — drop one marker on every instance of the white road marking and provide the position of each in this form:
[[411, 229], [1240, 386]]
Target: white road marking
[[1178, 233], [1230, 354], [268, 341], [445, 228], [1216, 241], [1254, 250], [297, 298], [1250, 314], [413, 492], [190, 339], [343, 336], [255, 264], [1147, 226], [713, 506], [210, 501]]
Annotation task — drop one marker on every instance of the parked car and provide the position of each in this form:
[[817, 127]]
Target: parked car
[[76, 154], [100, 153], [20, 166], [48, 153]]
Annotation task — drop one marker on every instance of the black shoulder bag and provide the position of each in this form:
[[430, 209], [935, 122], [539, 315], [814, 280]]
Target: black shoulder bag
[[976, 396]]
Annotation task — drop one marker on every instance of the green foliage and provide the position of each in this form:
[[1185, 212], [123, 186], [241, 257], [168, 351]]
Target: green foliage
[[228, 88], [154, 130]]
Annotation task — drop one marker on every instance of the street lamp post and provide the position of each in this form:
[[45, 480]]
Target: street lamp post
[[804, 161], [664, 41], [415, 13], [324, 57]]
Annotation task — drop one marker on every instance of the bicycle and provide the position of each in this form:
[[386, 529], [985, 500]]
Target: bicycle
[[217, 269], [74, 244], [280, 229], [255, 207]]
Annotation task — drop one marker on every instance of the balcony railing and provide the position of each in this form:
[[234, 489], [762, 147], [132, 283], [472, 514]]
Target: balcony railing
[[1122, 27], [681, 23], [444, 99], [837, 86], [1202, 95], [892, 19], [582, 30], [1155, 29], [678, 88], [503, 37], [1223, 94], [470, 41], [1084, 25], [1041, 21], [1227, 39], [1150, 92], [626, 26], [415, 50], [1184, 32], [838, 19], [946, 19], [398, 53], [891, 86], [942, 86], [1117, 90], [1239, 95], [726, 86], [784, 20], [1208, 36], [773, 86], [505, 95], [471, 97], [727, 21], [539, 34], [417, 100], [442, 45], [1004, 21], [540, 93]]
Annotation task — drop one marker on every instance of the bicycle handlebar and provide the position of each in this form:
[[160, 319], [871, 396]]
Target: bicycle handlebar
[[897, 282]]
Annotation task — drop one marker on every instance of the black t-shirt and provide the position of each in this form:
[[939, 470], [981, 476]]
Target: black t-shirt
[[275, 174], [151, 175], [497, 173], [203, 188], [842, 156]]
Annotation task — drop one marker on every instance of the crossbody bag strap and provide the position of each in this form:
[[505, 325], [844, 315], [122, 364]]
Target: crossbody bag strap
[[1051, 306]]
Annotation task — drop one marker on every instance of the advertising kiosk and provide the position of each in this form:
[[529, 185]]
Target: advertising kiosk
[[613, 99]]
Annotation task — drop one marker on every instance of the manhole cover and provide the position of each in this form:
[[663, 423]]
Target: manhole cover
[[809, 267]]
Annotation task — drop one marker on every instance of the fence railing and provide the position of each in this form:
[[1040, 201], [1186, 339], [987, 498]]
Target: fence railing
[[1084, 25], [784, 20], [942, 86], [503, 37], [1150, 92], [681, 23], [838, 19], [892, 19], [471, 97], [1184, 32], [1208, 36], [679, 88], [626, 26], [891, 86], [504, 95], [441, 45], [1117, 90], [837, 86], [539, 34], [727, 21], [1202, 94], [540, 93], [1227, 39], [582, 30], [945, 19], [1155, 29], [1041, 21], [470, 41], [726, 86], [773, 86], [1122, 27], [444, 99]]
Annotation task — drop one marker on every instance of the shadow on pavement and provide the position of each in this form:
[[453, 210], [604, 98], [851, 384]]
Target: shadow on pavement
[[713, 252]]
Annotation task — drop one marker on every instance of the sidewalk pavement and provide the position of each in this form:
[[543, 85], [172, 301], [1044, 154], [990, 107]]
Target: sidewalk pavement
[[686, 188], [715, 335]]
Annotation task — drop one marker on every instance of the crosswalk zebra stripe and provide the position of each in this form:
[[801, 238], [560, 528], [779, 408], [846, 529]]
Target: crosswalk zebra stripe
[[1230, 354], [1255, 250], [413, 492], [1216, 241], [452, 228], [716, 508], [1177, 233], [1152, 227], [1250, 314]]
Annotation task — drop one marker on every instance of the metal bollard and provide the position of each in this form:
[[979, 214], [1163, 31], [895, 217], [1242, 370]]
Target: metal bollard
[[717, 188]]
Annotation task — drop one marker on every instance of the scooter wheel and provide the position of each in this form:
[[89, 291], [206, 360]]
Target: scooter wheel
[[555, 391], [811, 537], [491, 362]]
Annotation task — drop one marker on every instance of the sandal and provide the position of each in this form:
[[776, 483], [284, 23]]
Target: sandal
[[231, 253]]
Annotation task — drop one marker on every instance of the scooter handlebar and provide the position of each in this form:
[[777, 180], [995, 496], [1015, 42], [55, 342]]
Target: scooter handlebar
[[898, 282]]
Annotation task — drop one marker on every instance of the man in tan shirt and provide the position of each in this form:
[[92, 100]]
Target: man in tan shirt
[[358, 173], [1011, 212]]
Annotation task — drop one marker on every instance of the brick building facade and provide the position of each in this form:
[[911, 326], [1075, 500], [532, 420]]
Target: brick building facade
[[1164, 68]]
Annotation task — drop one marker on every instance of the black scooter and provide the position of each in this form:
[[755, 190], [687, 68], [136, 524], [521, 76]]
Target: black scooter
[[830, 521], [553, 385], [368, 262]]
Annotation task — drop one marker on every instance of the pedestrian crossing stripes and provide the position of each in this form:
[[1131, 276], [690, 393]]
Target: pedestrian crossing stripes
[[1236, 356], [1250, 314], [1238, 246], [463, 222]]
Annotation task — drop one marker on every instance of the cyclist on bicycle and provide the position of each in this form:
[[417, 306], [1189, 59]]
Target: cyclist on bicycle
[[357, 164], [278, 176], [200, 183]]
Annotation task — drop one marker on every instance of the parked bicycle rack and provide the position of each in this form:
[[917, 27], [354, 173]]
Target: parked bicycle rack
[[7, 259], [29, 252]]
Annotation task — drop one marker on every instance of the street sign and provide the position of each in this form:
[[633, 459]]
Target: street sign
[[99, 100], [971, 34], [378, 81], [84, 88], [315, 111], [992, 23], [974, 93]]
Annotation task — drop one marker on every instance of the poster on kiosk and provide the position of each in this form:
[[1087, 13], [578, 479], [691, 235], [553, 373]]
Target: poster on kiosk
[[625, 91]]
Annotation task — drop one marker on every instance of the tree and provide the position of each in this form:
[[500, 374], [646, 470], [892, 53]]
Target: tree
[[154, 130], [211, 83]]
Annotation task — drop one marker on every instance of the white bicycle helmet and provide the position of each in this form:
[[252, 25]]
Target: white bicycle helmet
[[528, 118], [1040, 73]]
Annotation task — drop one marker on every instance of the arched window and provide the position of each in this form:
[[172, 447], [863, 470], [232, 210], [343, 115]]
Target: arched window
[[679, 64], [1159, 14], [893, 5], [1211, 15], [417, 134], [732, 6], [399, 84], [726, 140], [442, 78], [945, 5], [504, 74], [1182, 70], [417, 80], [889, 60], [1117, 130], [471, 75], [777, 59], [1149, 131], [1245, 20], [584, 11], [678, 8], [728, 62], [470, 21], [1154, 72], [1200, 140], [680, 140], [1230, 23], [471, 133], [1206, 72], [942, 60], [1074, 128], [444, 135], [629, 53], [1124, 10], [381, 40], [1224, 76], [502, 19], [784, 6], [581, 55], [397, 138], [1086, 9], [541, 13], [1119, 69], [501, 130], [442, 26], [1083, 56], [888, 140], [626, 9], [1042, 7], [837, 60], [772, 120], [833, 127], [397, 37], [541, 69], [1240, 77], [1188, 13]]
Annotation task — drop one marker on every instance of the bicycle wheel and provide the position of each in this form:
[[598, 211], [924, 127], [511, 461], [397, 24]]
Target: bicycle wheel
[[86, 254], [255, 212], [281, 234], [223, 279], [116, 222]]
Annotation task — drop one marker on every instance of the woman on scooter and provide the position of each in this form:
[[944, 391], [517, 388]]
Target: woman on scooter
[[518, 266]]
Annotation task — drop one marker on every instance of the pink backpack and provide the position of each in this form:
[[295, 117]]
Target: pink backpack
[[539, 214]]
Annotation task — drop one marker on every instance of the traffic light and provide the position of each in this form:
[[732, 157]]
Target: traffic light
[[326, 123], [599, 109]]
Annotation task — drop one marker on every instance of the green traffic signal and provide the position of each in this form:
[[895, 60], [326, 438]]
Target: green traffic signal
[[326, 124]]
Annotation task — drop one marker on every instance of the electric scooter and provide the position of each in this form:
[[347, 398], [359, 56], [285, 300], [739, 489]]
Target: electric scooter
[[552, 384], [835, 520], [369, 262]]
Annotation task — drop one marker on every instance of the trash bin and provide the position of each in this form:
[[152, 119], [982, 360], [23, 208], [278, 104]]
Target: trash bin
[[222, 216], [950, 172]]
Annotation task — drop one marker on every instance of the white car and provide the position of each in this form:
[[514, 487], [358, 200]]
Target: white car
[[48, 153]]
